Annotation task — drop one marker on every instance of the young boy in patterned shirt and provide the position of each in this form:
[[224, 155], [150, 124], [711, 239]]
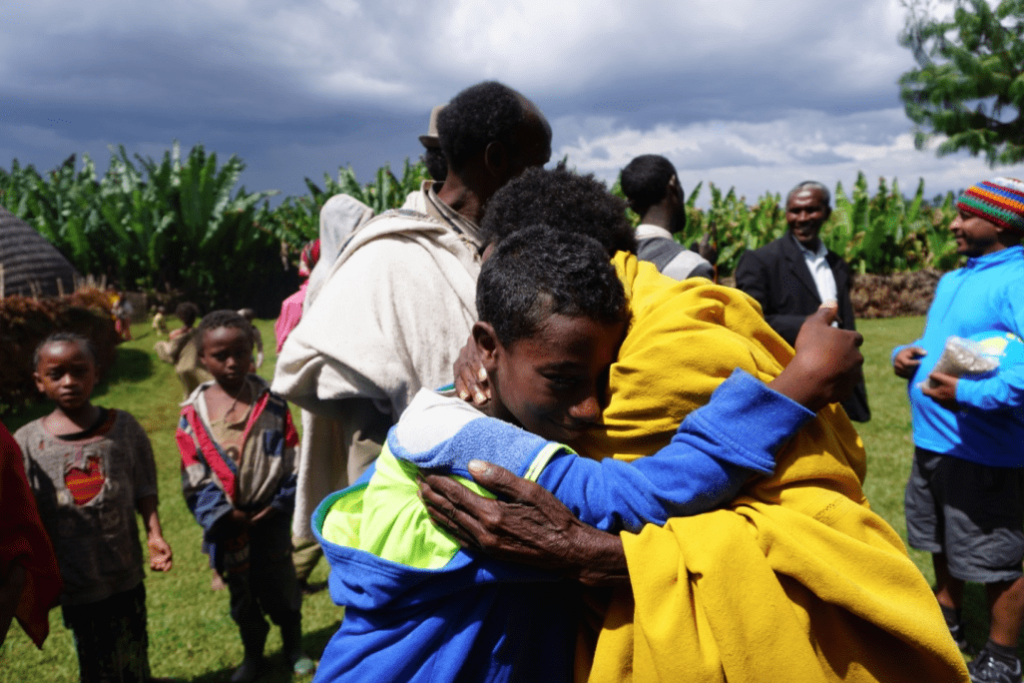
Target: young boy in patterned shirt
[[237, 445], [91, 469]]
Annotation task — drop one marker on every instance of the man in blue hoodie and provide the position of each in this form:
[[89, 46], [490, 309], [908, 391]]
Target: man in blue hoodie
[[965, 497]]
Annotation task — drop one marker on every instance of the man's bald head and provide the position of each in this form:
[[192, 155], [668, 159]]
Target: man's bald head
[[492, 121]]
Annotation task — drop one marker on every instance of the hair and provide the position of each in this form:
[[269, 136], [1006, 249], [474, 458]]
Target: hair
[[483, 113], [83, 342], [645, 179], [223, 318], [811, 185], [247, 313], [539, 271], [562, 200], [437, 165], [187, 313]]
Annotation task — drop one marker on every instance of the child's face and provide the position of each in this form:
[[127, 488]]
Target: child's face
[[227, 355], [66, 374], [554, 382]]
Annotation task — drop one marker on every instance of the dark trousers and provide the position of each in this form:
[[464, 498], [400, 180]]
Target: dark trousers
[[111, 638], [267, 586]]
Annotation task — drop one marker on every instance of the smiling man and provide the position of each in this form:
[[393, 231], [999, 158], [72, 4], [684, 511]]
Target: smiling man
[[965, 498], [795, 274]]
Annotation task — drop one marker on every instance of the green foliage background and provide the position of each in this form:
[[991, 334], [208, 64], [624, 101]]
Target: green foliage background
[[178, 224], [969, 80]]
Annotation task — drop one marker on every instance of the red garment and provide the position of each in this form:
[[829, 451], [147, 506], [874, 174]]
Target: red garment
[[23, 538]]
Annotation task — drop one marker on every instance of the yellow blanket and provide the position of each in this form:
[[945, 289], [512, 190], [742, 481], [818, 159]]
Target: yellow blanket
[[797, 580]]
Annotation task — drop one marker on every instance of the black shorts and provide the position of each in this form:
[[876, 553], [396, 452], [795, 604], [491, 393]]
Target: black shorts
[[971, 512]]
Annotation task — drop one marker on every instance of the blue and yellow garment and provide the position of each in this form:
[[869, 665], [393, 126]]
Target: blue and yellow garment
[[797, 579], [419, 608]]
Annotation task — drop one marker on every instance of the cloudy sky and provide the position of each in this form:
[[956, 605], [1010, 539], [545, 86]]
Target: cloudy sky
[[752, 94]]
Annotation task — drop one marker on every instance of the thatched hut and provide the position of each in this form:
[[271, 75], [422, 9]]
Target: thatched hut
[[31, 265]]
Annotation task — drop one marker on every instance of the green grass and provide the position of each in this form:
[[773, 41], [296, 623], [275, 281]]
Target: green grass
[[191, 634]]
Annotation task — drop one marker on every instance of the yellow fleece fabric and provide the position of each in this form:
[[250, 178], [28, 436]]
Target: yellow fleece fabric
[[797, 579]]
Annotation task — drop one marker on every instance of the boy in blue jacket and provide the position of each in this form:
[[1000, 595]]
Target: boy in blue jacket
[[551, 317]]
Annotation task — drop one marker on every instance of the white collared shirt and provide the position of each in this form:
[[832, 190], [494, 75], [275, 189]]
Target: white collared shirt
[[824, 280]]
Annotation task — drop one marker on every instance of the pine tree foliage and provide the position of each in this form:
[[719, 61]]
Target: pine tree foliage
[[969, 82]]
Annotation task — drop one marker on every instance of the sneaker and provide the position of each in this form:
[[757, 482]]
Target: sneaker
[[303, 665], [986, 668]]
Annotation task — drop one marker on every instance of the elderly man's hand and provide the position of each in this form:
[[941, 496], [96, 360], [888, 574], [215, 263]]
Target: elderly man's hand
[[530, 526], [827, 364], [470, 377]]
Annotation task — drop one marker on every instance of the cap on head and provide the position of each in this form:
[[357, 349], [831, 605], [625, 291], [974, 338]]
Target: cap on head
[[430, 140], [999, 201]]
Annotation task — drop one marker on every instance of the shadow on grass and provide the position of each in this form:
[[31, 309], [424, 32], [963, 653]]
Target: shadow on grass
[[275, 668], [132, 365]]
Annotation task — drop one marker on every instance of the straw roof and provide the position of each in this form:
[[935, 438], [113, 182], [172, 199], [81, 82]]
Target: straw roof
[[30, 263]]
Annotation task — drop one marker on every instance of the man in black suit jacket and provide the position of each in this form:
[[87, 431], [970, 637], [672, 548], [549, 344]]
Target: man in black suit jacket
[[792, 276]]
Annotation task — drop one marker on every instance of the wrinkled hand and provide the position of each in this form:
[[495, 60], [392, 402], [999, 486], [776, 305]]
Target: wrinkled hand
[[945, 393], [161, 559], [906, 361], [471, 381], [827, 364], [530, 527]]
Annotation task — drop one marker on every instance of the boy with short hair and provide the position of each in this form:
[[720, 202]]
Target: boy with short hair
[[551, 317], [237, 447], [91, 469]]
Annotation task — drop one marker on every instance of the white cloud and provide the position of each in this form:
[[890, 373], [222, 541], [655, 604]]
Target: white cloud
[[775, 155], [402, 53], [746, 92]]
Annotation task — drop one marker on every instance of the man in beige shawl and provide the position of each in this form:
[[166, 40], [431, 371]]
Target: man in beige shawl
[[399, 301]]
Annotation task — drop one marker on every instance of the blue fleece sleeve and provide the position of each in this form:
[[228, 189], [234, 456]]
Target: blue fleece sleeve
[[716, 449]]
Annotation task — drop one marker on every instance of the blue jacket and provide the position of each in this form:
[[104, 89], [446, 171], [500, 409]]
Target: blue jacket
[[471, 618], [985, 298]]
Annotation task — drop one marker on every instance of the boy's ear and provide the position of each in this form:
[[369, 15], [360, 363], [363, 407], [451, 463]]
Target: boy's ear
[[488, 348], [39, 381]]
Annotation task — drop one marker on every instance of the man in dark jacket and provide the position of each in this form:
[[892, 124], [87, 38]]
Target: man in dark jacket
[[793, 275]]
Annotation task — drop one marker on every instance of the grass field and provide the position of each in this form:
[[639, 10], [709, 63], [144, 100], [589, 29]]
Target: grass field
[[191, 634]]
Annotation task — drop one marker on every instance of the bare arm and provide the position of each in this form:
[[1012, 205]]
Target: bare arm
[[160, 555], [530, 527]]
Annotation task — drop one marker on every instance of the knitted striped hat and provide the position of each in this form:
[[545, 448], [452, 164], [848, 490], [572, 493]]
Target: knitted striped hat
[[999, 201]]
